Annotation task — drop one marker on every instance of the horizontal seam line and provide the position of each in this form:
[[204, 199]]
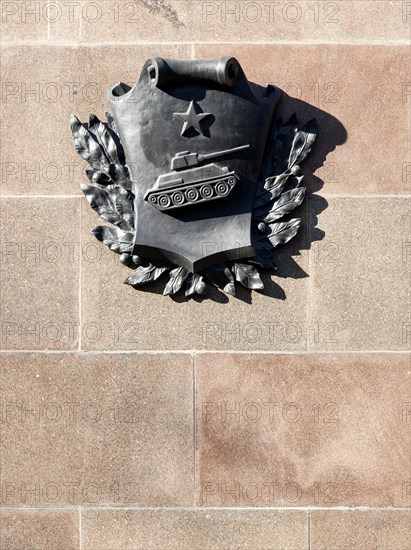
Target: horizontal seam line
[[204, 352], [205, 509], [302, 43]]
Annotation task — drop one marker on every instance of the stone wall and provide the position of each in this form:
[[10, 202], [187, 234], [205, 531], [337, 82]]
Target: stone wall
[[269, 421]]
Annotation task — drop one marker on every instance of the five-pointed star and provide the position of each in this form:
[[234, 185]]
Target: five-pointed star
[[192, 119]]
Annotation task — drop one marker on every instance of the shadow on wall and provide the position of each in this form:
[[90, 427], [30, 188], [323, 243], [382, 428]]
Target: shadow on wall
[[331, 134]]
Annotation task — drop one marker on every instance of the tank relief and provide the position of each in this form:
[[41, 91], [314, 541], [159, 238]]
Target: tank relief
[[189, 183]]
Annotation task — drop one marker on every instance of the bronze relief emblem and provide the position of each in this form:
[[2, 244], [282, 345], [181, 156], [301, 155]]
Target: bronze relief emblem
[[195, 174]]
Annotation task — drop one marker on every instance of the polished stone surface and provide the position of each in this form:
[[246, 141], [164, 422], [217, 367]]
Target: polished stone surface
[[197, 20], [362, 530], [39, 272], [35, 529], [302, 430], [359, 296], [96, 429], [195, 529]]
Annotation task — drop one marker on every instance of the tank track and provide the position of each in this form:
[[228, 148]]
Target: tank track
[[187, 194]]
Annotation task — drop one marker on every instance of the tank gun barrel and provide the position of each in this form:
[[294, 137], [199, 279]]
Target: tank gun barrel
[[209, 156], [188, 160]]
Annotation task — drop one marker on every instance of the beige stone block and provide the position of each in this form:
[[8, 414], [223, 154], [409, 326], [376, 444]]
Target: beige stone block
[[95, 430], [100, 21], [199, 529], [41, 21], [359, 276], [313, 430], [360, 530], [39, 271], [192, 21], [28, 529], [357, 21]]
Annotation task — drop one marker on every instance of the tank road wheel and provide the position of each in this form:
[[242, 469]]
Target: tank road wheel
[[231, 181], [177, 198], [222, 188], [164, 201], [206, 191], [192, 195]]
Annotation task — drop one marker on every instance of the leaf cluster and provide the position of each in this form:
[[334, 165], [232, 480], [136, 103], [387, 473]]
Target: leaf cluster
[[280, 192], [109, 191]]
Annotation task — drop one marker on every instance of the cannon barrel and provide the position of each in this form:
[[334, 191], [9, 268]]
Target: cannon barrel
[[224, 71]]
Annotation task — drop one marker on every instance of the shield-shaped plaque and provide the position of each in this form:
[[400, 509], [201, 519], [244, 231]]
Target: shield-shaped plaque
[[194, 174], [194, 134]]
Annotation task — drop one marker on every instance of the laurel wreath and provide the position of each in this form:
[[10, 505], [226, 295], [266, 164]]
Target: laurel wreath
[[279, 192]]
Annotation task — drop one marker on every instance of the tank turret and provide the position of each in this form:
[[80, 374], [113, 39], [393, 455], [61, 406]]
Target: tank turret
[[191, 183]]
